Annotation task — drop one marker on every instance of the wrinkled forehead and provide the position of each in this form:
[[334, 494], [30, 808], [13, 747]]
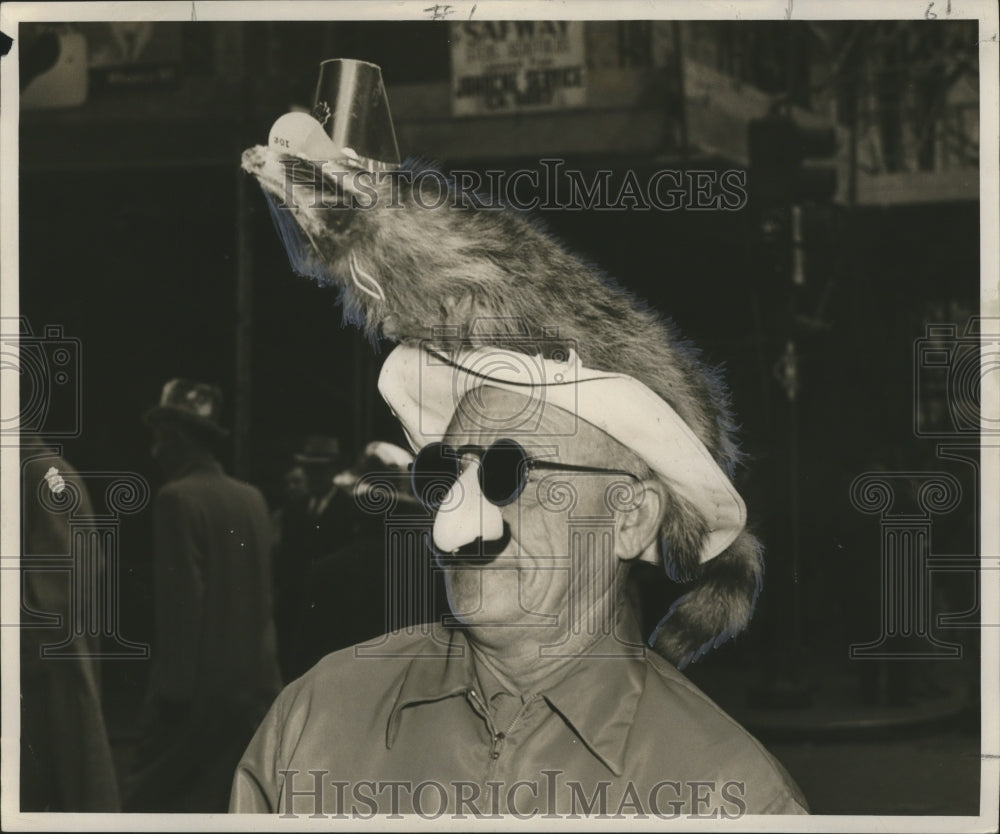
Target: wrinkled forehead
[[487, 413]]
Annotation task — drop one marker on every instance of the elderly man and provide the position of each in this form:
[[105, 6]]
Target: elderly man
[[563, 433], [542, 698]]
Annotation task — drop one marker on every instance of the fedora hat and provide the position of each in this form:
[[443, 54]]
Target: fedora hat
[[384, 462], [192, 403], [319, 449]]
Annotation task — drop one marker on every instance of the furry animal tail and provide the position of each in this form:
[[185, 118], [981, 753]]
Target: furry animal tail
[[719, 607]]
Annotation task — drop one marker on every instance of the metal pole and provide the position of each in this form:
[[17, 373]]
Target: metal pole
[[244, 288], [852, 107], [244, 331], [798, 280], [681, 92]]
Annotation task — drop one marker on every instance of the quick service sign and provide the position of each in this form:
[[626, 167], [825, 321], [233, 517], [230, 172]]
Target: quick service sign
[[507, 66]]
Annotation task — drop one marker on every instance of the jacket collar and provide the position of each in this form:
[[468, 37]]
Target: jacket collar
[[598, 697], [432, 677], [600, 694]]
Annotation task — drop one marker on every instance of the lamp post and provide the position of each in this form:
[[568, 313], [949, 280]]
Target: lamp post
[[783, 179]]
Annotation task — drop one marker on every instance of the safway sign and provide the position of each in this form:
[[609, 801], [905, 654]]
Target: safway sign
[[515, 66]]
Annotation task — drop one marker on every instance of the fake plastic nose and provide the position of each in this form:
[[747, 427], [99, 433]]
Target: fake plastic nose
[[466, 515]]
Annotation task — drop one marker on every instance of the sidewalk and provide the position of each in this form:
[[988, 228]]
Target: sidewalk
[[919, 756]]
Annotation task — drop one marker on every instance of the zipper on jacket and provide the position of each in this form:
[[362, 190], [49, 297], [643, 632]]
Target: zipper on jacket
[[497, 737], [480, 706]]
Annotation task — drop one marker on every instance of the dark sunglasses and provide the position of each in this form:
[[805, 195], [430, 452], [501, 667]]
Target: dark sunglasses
[[503, 471]]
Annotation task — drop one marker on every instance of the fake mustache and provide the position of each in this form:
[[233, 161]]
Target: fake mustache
[[477, 552]]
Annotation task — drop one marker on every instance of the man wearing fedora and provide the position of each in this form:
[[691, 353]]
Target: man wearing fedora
[[328, 506], [311, 529], [214, 665]]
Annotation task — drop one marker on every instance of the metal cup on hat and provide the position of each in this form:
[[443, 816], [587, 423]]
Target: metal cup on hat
[[350, 125], [352, 107]]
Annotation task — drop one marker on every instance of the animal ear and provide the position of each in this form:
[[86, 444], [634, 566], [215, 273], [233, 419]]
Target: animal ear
[[458, 309], [717, 608]]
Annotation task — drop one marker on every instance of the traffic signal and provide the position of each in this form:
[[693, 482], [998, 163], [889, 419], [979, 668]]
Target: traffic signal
[[783, 156]]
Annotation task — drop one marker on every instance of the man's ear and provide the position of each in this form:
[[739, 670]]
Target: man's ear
[[638, 525]]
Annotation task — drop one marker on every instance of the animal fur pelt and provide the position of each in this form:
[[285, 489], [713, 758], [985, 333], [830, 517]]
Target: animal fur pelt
[[404, 270]]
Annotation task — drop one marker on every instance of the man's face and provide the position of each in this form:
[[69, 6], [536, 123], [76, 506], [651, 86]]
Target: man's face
[[538, 578], [319, 477], [296, 484]]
